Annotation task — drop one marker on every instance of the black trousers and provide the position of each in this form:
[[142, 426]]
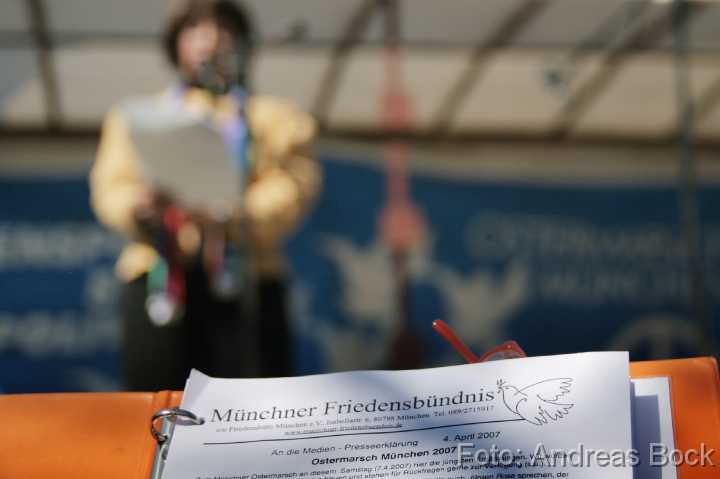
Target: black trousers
[[219, 338]]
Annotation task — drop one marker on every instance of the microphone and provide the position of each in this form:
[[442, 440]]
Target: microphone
[[219, 73]]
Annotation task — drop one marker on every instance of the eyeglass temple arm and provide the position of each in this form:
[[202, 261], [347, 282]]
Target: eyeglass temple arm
[[442, 328]]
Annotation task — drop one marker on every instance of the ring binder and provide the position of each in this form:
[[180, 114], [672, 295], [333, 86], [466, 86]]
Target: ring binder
[[162, 436], [172, 414], [693, 416]]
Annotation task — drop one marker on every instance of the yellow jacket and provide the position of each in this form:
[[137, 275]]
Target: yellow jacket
[[283, 178]]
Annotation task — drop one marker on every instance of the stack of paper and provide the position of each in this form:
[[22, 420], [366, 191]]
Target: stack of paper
[[560, 416]]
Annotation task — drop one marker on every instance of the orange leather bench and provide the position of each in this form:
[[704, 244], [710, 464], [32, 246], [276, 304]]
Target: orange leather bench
[[107, 435]]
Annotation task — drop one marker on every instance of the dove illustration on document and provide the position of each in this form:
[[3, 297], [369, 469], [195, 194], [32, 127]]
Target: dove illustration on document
[[537, 403]]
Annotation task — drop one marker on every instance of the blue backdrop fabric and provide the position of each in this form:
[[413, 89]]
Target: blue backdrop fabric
[[557, 267]]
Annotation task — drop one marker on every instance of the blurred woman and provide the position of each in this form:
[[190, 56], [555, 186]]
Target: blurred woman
[[210, 43]]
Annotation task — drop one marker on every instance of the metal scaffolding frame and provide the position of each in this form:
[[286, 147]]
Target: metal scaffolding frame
[[508, 29], [612, 63], [613, 58]]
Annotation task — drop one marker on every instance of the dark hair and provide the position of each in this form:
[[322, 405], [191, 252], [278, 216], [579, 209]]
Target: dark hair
[[227, 14]]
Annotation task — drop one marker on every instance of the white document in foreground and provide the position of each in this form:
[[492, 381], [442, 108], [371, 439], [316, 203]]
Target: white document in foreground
[[379, 424]]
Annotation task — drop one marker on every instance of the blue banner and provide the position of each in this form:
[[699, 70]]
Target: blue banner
[[58, 316], [559, 267]]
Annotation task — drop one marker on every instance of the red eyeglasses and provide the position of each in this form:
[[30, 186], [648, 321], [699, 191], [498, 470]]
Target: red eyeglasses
[[507, 350]]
